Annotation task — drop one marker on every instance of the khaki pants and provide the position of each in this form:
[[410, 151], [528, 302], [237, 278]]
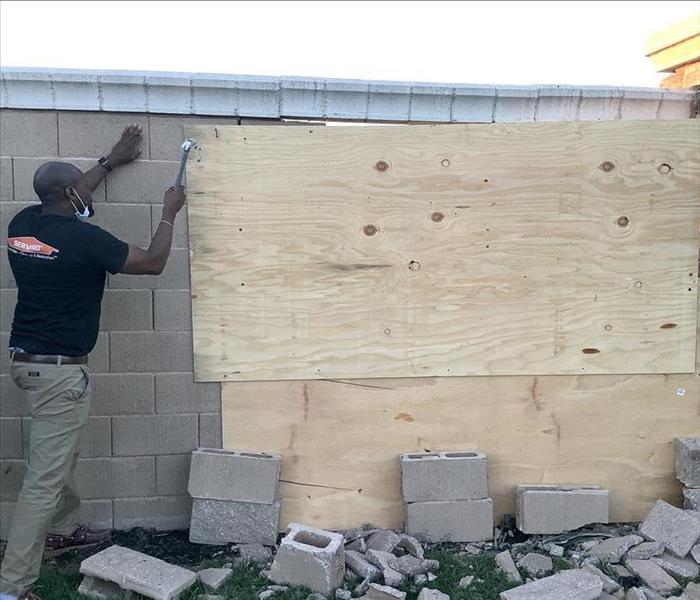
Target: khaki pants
[[58, 398]]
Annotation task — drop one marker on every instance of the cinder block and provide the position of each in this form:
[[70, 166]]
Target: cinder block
[[8, 210], [176, 275], [160, 512], [310, 557], [24, 169], [154, 434], [10, 437], [181, 231], [600, 104], [13, 402], [28, 133], [139, 573], [572, 584], [8, 301], [559, 508], [123, 394], [172, 310], [168, 133], [93, 134], [452, 521], [141, 182], [98, 360], [440, 476], [116, 477], [235, 475], [6, 183], [11, 478], [688, 460], [673, 527], [147, 351], [127, 310], [214, 579], [178, 393], [93, 513], [99, 589], [131, 223], [172, 474], [219, 522], [210, 434], [691, 498], [96, 439]]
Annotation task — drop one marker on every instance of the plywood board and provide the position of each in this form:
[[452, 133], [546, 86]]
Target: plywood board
[[340, 441], [408, 251]]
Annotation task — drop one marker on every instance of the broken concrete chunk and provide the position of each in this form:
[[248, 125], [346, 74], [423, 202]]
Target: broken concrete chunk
[[465, 582], [383, 592], [453, 521], [652, 575], [691, 498], [612, 549], [383, 540], [359, 532], [221, 522], [555, 550], [535, 564], [411, 545], [688, 460], [505, 562], [357, 545], [682, 567], [442, 476], [620, 571], [92, 587], [361, 588], [609, 584], [214, 579], [234, 475], [675, 528], [255, 553], [310, 557], [695, 553], [691, 592], [137, 572], [266, 594], [635, 594], [645, 551], [359, 565], [382, 560], [573, 584], [428, 594], [550, 509], [343, 594], [409, 565], [650, 594]]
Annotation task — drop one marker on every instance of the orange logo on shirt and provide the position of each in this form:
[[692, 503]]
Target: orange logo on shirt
[[30, 246]]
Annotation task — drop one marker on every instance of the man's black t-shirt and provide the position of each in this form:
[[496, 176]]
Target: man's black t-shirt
[[60, 265]]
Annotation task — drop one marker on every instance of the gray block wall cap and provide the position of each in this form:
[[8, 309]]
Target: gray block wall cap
[[298, 97]]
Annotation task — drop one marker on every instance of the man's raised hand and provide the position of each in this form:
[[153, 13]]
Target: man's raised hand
[[128, 148]]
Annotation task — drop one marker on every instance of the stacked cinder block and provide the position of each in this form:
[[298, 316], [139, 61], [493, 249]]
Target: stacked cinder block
[[234, 497], [446, 496], [549, 509], [688, 470]]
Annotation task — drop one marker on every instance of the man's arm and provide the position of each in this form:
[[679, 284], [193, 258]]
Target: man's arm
[[153, 260], [125, 150]]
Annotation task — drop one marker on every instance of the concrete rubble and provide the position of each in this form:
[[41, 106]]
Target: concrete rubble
[[688, 461], [214, 579], [536, 565], [234, 497], [673, 527], [565, 585], [137, 572]]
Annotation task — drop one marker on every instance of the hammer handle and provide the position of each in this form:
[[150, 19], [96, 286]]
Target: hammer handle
[[181, 170]]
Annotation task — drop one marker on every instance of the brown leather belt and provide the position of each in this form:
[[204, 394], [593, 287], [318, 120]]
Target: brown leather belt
[[48, 359]]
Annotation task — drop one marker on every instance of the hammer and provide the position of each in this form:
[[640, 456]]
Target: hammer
[[186, 146]]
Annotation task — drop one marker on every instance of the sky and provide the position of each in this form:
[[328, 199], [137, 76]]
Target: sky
[[580, 43]]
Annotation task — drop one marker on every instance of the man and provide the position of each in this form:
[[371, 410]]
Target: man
[[60, 263]]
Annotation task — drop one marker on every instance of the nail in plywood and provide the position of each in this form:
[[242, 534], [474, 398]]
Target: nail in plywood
[[548, 248]]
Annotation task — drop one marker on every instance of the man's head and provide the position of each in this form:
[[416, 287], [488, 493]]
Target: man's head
[[62, 187]]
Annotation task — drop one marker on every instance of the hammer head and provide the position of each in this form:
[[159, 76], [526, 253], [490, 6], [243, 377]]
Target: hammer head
[[187, 145]]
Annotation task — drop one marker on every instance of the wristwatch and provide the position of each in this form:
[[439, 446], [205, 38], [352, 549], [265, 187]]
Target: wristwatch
[[104, 162]]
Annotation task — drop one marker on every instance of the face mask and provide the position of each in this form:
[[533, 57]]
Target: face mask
[[87, 211]]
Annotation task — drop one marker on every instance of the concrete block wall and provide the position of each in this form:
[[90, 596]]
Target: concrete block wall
[[147, 412]]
